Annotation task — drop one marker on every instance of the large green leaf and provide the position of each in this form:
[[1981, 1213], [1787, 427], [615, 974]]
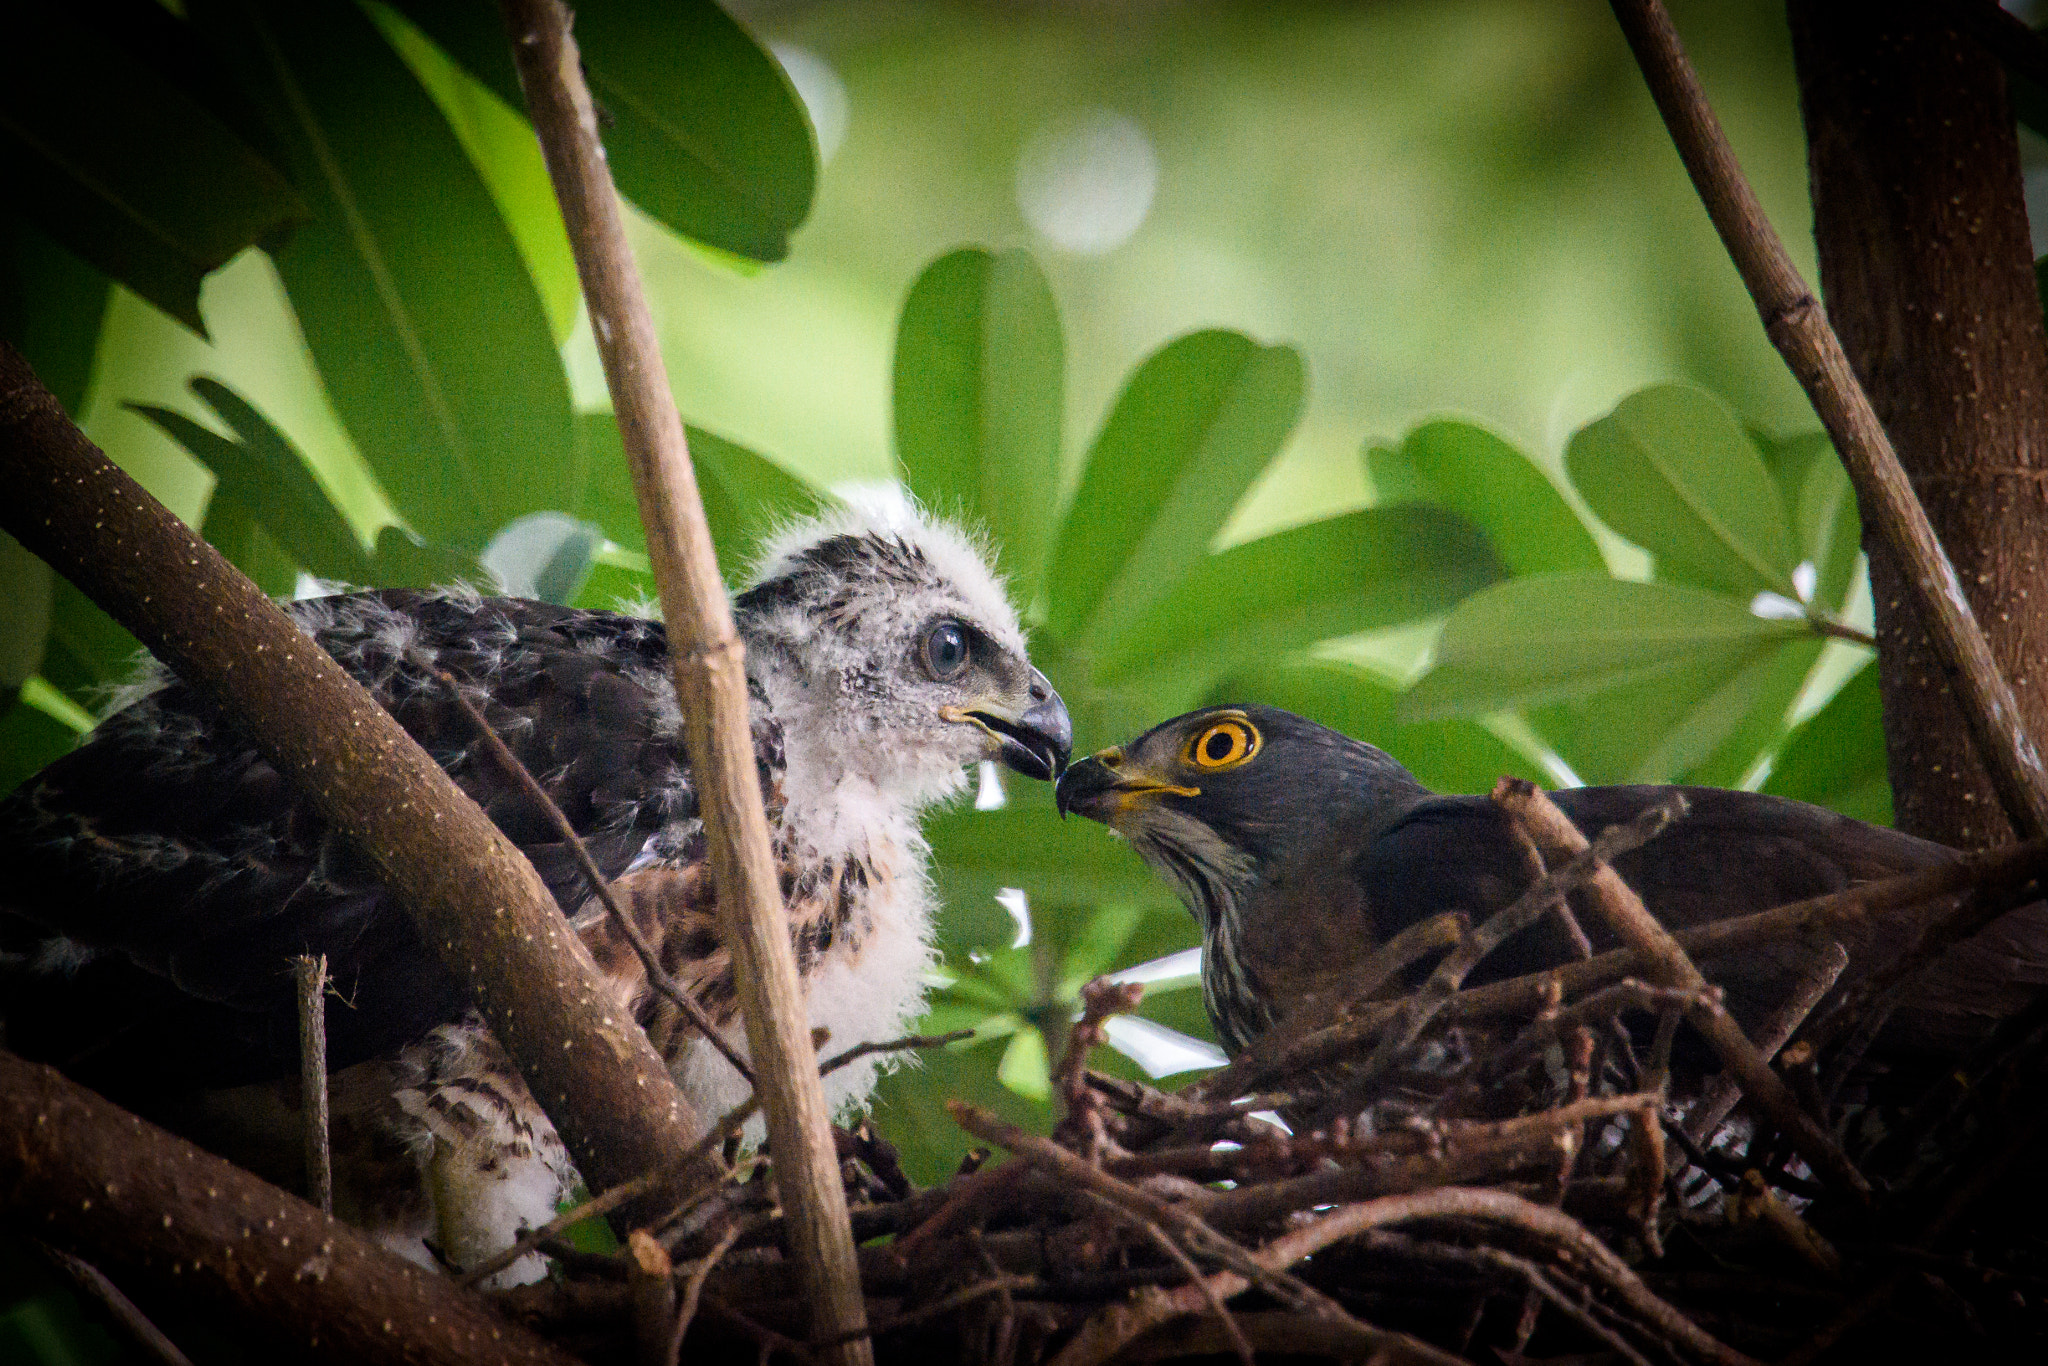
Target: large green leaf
[[1450, 756], [701, 128], [88, 651], [1821, 509], [261, 475], [976, 854], [26, 594], [978, 376], [744, 494], [1473, 472], [412, 295], [1196, 424], [52, 305], [1356, 572], [1706, 718], [111, 144], [1836, 758], [1554, 636], [1672, 470], [500, 144]]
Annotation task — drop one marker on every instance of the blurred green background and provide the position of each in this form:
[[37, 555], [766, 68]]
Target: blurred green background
[[1383, 312]]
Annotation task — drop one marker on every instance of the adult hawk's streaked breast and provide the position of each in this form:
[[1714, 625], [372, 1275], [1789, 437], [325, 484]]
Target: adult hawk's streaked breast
[[162, 876]]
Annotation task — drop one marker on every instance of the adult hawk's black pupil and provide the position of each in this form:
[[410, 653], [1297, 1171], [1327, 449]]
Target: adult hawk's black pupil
[[945, 651], [1221, 742]]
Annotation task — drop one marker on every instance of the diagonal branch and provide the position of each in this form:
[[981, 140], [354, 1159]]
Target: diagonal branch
[[475, 899], [1797, 326], [706, 658]]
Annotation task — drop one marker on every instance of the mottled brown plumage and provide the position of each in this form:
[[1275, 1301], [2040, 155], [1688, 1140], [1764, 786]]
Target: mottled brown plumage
[[162, 876]]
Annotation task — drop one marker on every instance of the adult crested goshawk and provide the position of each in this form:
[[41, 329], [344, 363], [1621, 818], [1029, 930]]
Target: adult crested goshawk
[[162, 876], [1298, 850]]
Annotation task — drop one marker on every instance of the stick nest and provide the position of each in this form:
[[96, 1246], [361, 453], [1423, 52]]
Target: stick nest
[[1552, 1168]]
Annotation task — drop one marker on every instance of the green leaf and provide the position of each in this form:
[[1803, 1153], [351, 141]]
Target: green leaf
[[27, 590], [1449, 756], [402, 560], [52, 306], [263, 477], [543, 555], [1821, 508], [1706, 718], [500, 144], [88, 651], [110, 144], [910, 1107], [29, 738], [978, 374], [1026, 1068], [1195, 425], [1672, 470], [1836, 757], [417, 305], [1473, 472], [701, 128], [976, 854], [1356, 572], [1554, 636], [745, 494]]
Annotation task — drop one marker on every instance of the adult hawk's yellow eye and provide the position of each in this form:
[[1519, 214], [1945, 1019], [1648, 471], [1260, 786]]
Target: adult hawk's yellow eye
[[1223, 745]]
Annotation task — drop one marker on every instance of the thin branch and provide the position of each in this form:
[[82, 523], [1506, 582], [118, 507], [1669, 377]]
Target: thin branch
[[904, 1044], [1632, 922], [651, 1291], [693, 1289], [1798, 327], [657, 976], [706, 659], [310, 977], [594, 1208], [93, 1283], [145, 1206], [476, 901], [1719, 1096]]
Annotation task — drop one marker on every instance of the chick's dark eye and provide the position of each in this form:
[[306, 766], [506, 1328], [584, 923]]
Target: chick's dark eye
[[945, 651]]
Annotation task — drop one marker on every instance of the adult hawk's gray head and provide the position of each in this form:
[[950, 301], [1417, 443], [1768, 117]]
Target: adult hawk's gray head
[[162, 876], [1298, 850]]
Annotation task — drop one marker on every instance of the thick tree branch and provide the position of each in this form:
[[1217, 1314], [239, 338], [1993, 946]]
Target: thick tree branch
[[1796, 325], [707, 660], [477, 901], [143, 1205]]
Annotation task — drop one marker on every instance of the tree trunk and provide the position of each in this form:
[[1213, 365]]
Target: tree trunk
[[1928, 274]]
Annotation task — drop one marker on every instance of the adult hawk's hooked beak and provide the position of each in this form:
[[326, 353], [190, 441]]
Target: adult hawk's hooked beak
[[1034, 739], [1108, 783]]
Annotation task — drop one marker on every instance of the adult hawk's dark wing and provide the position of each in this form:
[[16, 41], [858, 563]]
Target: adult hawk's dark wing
[[1735, 853], [160, 878]]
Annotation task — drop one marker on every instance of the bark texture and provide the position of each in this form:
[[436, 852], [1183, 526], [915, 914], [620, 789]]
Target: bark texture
[[145, 1206], [1928, 274], [476, 899]]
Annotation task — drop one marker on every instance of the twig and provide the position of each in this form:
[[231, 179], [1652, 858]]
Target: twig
[[90, 1281], [1721, 1094], [150, 1208], [1633, 923], [693, 1288], [310, 977], [907, 1042], [1993, 868], [946, 1304], [650, 1282], [1798, 327], [657, 976], [1179, 1257], [706, 659], [594, 1208], [1584, 865], [1244, 1268], [1416, 941], [476, 901]]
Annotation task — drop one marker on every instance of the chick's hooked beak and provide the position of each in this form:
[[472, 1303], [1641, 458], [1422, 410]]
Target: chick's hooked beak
[[1106, 784], [1035, 740]]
